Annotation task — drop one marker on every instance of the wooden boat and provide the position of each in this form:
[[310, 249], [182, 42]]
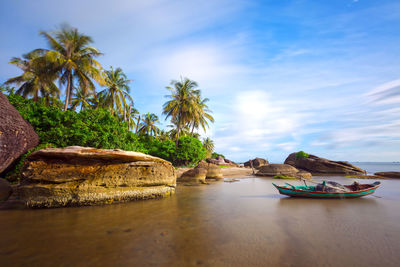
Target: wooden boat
[[355, 190]]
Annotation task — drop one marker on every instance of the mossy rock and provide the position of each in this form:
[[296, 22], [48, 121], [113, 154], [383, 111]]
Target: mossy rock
[[283, 177]]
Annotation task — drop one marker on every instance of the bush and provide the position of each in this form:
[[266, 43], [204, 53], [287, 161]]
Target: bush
[[301, 155], [190, 150], [92, 127], [165, 149]]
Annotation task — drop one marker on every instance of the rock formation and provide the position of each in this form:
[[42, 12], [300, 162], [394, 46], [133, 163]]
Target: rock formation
[[395, 175], [5, 190], [75, 176], [282, 169], [257, 162], [318, 166], [16, 135], [201, 172], [195, 175]]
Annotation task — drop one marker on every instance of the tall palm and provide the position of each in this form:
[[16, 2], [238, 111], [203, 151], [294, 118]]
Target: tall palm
[[148, 125], [200, 114], [75, 60], [38, 77], [208, 144], [182, 98], [116, 94]]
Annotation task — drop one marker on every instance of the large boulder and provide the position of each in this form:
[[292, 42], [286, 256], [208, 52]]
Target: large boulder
[[394, 175], [284, 170], [257, 163], [318, 166], [195, 175], [16, 135], [75, 176], [5, 190]]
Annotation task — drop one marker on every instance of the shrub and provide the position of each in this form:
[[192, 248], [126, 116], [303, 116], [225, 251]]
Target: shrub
[[165, 149], [190, 150], [301, 155], [92, 127]]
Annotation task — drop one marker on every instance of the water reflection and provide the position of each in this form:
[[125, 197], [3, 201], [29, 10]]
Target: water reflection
[[242, 223]]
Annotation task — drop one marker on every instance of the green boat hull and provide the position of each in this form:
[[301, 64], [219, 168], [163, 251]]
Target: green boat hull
[[309, 192]]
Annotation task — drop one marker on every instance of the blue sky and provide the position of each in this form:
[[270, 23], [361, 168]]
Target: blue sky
[[281, 76]]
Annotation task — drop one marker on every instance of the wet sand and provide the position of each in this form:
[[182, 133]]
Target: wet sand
[[245, 223]]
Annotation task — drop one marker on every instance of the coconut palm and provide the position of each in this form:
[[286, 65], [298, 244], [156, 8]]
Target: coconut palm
[[200, 114], [208, 144], [116, 94], [38, 77], [131, 116], [182, 99], [75, 60], [148, 125], [82, 99]]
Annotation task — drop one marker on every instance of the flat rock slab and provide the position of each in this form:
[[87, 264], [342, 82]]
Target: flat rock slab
[[75, 176]]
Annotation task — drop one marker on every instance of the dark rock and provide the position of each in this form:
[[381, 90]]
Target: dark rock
[[17, 136], [5, 190], [282, 169], [317, 165], [395, 175], [257, 163]]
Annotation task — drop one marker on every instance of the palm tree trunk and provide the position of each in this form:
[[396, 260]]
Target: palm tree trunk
[[69, 83], [179, 130], [192, 130], [137, 125]]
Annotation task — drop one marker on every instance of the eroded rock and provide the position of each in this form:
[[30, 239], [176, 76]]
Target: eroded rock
[[284, 170], [257, 163], [75, 176], [317, 165]]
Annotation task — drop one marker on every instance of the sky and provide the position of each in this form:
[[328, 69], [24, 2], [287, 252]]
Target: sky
[[282, 76]]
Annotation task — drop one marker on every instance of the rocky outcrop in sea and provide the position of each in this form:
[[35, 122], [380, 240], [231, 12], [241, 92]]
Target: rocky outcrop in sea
[[320, 166]]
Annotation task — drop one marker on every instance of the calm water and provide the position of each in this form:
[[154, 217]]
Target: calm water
[[373, 167], [223, 224]]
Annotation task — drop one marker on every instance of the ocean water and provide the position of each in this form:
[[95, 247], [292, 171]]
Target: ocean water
[[373, 167]]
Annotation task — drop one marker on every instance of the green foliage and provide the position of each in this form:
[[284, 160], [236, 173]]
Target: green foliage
[[14, 175], [189, 150], [164, 149], [301, 155], [94, 128], [283, 177], [214, 155]]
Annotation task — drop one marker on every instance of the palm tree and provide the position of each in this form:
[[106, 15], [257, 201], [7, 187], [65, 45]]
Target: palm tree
[[80, 98], [183, 94], [115, 96], [131, 115], [208, 144], [200, 114], [38, 77], [74, 58], [148, 125]]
